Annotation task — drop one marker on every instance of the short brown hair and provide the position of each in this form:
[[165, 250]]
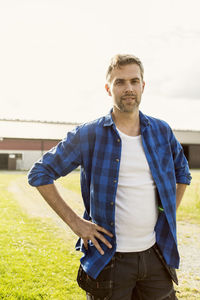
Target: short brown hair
[[121, 60]]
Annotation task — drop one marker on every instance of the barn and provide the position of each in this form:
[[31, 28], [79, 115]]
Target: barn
[[23, 142], [190, 140]]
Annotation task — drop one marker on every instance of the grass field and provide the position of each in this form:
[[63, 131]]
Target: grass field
[[37, 262], [189, 209]]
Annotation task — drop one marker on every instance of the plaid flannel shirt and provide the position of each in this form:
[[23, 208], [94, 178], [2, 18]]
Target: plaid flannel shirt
[[96, 147]]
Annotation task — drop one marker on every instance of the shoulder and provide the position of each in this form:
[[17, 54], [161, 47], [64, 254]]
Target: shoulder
[[86, 132], [156, 123], [91, 126], [157, 128]]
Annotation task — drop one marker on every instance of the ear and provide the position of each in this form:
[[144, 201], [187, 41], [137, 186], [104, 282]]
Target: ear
[[143, 85], [108, 89]]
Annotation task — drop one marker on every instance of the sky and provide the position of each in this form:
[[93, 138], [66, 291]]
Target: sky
[[54, 55]]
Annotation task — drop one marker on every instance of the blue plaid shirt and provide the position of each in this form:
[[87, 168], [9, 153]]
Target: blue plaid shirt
[[96, 147]]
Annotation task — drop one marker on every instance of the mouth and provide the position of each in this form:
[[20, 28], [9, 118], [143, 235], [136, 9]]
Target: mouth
[[131, 96], [128, 98]]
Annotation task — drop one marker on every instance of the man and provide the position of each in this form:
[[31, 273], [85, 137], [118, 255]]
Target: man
[[133, 177]]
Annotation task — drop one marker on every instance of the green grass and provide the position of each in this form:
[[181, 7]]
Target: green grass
[[72, 182], [37, 262], [189, 209]]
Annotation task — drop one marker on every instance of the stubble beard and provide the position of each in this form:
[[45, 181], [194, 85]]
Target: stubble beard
[[129, 107]]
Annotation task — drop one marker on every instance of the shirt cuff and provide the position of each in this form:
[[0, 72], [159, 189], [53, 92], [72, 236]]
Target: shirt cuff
[[184, 179], [40, 180]]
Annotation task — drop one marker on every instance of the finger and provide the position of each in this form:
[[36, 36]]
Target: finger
[[103, 239], [99, 228], [96, 244], [85, 243]]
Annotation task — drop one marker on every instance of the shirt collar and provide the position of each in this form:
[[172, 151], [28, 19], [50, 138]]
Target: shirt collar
[[144, 120], [108, 119]]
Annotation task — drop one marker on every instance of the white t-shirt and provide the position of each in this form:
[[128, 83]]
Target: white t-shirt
[[136, 210]]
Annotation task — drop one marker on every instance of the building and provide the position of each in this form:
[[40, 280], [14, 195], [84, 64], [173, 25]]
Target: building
[[190, 140], [23, 142]]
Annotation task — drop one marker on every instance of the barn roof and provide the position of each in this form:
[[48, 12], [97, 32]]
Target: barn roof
[[34, 129]]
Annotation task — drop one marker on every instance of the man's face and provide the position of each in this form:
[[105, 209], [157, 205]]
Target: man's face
[[126, 87]]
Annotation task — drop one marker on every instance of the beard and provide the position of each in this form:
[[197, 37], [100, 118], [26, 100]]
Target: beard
[[128, 103]]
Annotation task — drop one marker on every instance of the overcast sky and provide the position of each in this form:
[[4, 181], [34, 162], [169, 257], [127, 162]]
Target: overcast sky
[[54, 55]]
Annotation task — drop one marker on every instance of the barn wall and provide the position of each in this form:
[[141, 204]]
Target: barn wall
[[23, 159], [27, 144], [22, 153], [194, 156], [27, 151], [29, 158]]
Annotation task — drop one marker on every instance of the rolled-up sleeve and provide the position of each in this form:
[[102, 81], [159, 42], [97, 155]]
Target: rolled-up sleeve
[[181, 166], [57, 162]]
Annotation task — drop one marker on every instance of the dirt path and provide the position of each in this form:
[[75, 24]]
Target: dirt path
[[32, 203], [188, 234], [189, 250]]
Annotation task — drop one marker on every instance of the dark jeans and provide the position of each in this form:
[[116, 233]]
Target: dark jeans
[[131, 276]]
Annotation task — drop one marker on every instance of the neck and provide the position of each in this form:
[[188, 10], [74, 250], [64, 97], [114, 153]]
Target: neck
[[127, 122]]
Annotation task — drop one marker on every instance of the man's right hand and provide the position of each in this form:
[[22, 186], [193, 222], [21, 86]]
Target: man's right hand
[[90, 231], [83, 228]]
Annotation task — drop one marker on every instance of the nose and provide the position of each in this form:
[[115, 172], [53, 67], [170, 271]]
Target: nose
[[128, 87]]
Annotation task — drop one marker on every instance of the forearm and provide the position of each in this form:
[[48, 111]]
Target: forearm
[[180, 190], [50, 193], [84, 229]]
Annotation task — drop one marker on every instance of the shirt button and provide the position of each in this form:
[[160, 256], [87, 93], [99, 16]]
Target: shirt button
[[114, 180], [117, 159], [112, 203], [111, 223], [118, 140]]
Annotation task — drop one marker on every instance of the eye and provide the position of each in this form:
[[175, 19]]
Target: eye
[[134, 81], [119, 82]]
